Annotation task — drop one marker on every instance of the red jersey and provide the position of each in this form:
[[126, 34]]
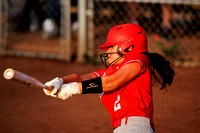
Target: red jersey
[[133, 98]]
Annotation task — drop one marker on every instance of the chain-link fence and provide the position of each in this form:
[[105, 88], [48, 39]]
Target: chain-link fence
[[172, 26], [37, 28]]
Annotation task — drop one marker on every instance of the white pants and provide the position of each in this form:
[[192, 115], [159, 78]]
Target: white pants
[[134, 125]]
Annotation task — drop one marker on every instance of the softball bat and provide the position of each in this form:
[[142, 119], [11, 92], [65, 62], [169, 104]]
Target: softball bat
[[11, 74]]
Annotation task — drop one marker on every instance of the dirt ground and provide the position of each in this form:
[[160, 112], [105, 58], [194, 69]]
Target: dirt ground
[[27, 110]]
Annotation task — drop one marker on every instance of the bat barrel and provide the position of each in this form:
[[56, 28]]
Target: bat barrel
[[9, 74]]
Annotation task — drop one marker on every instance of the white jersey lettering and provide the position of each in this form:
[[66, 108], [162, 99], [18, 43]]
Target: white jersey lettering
[[117, 105]]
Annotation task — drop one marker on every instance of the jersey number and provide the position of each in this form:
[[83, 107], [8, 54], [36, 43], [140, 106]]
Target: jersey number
[[117, 105]]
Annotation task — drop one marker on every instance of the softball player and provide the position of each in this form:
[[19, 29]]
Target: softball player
[[125, 86]]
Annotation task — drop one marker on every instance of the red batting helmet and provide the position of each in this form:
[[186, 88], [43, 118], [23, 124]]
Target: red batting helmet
[[124, 36]]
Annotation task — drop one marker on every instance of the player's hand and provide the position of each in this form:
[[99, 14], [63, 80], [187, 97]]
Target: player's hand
[[67, 90], [55, 84]]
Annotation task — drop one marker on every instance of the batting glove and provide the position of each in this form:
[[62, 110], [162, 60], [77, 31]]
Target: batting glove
[[67, 90], [55, 84]]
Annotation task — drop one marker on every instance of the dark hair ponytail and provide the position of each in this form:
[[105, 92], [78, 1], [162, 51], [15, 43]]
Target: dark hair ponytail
[[162, 67]]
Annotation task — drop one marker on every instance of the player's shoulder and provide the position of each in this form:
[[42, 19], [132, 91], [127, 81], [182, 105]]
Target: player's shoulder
[[136, 57], [140, 58]]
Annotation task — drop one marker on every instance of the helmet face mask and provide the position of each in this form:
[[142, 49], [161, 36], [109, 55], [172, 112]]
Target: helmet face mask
[[104, 59], [125, 36]]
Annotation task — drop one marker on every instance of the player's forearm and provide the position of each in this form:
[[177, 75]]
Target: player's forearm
[[71, 78], [78, 78]]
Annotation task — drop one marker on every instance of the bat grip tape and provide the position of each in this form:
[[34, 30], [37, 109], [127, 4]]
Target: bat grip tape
[[92, 86]]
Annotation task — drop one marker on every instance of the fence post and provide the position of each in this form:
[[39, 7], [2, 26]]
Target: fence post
[[90, 13], [3, 26], [82, 31], [65, 44]]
